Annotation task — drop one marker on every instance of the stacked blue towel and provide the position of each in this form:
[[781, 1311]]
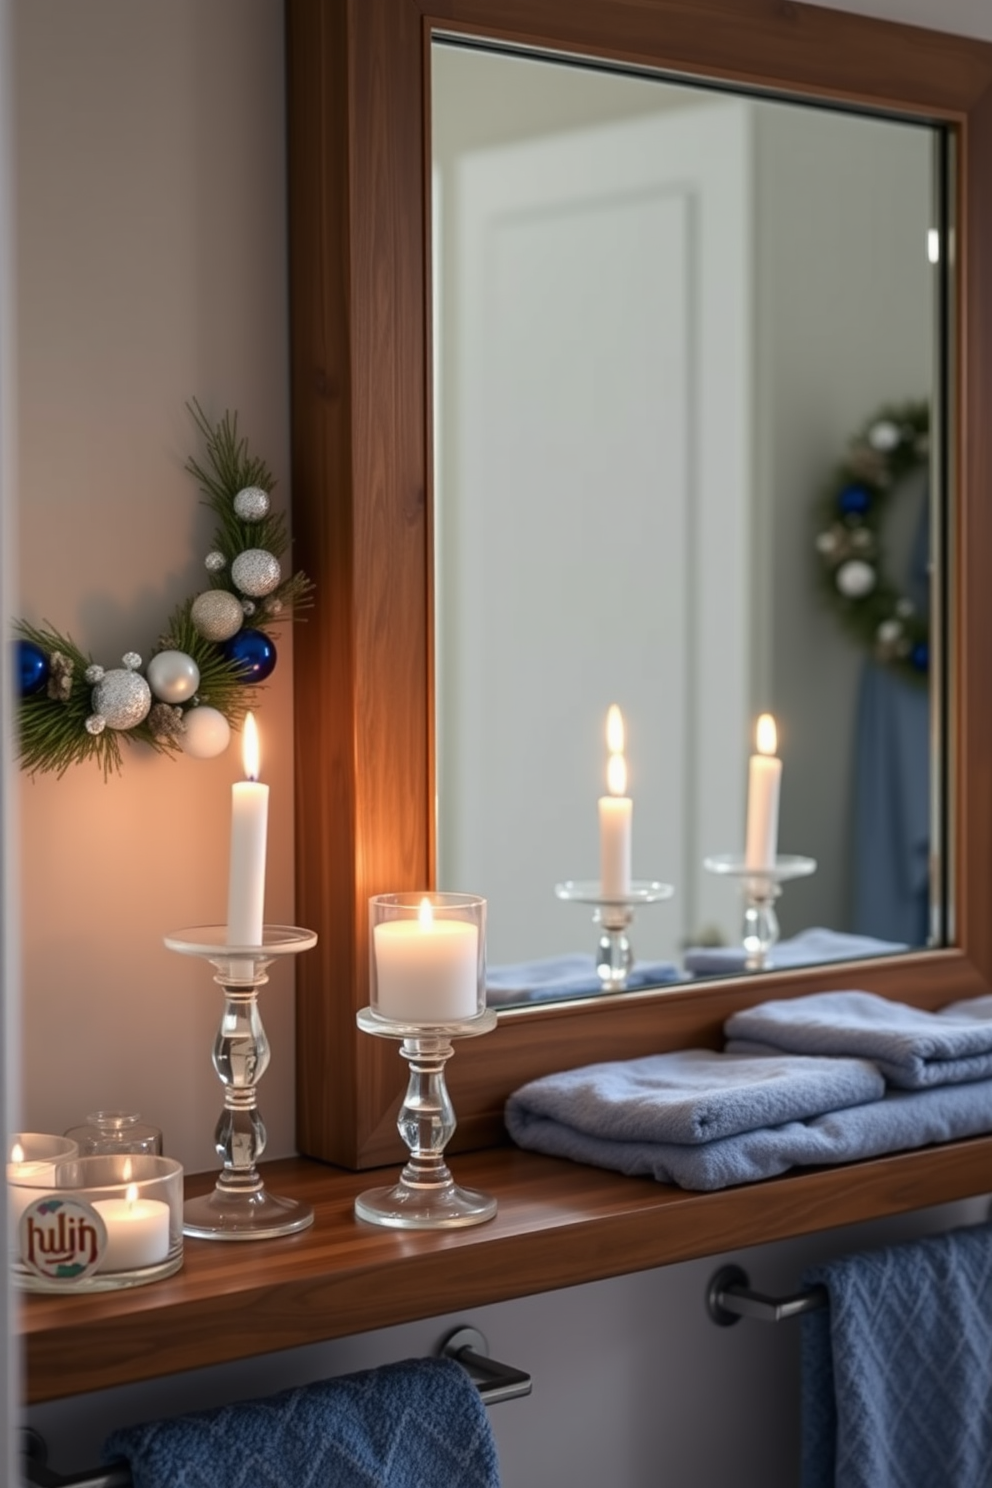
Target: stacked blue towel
[[705, 1120], [573, 975], [897, 1375], [808, 948], [420, 1424], [914, 1050]]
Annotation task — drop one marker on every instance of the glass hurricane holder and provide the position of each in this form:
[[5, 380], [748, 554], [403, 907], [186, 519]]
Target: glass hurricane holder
[[428, 986], [240, 1207], [615, 914], [426, 1196], [760, 887]]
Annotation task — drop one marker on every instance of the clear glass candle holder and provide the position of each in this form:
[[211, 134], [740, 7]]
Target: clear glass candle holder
[[128, 1207], [105, 1133], [760, 887], [614, 914], [428, 957], [31, 1165]]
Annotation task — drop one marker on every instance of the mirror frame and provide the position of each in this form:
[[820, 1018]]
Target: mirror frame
[[360, 318]]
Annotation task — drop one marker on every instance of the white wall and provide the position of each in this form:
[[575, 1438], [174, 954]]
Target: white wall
[[151, 237]]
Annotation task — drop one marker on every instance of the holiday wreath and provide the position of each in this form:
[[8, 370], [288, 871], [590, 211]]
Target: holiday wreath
[[199, 679], [850, 531]]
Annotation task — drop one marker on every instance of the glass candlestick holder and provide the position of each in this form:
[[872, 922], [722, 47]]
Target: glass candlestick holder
[[614, 914], [240, 1207], [428, 986], [426, 1196], [760, 887]]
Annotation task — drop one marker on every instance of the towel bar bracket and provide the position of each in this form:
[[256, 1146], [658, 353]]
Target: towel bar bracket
[[494, 1381], [729, 1298]]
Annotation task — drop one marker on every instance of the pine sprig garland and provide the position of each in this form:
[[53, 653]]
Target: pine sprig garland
[[59, 724]]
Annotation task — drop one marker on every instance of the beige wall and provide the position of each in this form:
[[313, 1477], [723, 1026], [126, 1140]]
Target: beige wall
[[151, 268]]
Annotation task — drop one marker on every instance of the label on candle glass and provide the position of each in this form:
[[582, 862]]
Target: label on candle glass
[[61, 1239]]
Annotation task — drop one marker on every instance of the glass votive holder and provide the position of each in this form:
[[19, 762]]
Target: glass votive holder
[[428, 957], [100, 1223], [109, 1132], [34, 1156]]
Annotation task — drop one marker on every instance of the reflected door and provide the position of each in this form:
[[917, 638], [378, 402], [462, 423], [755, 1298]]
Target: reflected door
[[592, 495]]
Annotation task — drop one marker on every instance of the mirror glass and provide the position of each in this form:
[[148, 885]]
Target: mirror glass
[[685, 355]]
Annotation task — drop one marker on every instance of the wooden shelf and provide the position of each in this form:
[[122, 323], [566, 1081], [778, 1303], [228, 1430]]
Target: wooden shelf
[[559, 1224]]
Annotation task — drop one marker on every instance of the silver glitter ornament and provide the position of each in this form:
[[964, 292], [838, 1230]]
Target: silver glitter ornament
[[173, 676], [122, 700], [256, 572], [95, 724], [248, 606], [131, 660], [214, 562], [217, 615], [93, 674], [855, 578], [251, 503]]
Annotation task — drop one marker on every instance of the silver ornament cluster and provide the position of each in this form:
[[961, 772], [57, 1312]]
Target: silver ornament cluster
[[256, 572], [121, 698], [216, 615], [214, 562], [252, 503]]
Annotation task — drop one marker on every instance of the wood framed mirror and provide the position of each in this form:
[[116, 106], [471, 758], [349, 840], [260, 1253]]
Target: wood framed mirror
[[359, 215]]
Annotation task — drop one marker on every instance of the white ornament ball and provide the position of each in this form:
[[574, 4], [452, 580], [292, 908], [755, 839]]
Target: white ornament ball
[[256, 572], [214, 561], [122, 699], [251, 503], [216, 614], [888, 632], [826, 542], [207, 732], [883, 436], [173, 676], [855, 578]]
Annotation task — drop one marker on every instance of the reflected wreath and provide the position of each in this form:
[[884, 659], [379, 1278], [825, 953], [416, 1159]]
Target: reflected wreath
[[850, 517]]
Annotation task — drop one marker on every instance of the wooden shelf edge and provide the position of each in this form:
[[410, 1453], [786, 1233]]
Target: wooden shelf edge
[[559, 1224]]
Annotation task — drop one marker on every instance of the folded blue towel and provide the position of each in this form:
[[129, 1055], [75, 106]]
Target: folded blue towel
[[913, 1049], [805, 949], [565, 976], [420, 1424], [902, 1120], [897, 1374]]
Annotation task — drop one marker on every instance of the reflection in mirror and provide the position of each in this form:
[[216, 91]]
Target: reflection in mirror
[[662, 315]]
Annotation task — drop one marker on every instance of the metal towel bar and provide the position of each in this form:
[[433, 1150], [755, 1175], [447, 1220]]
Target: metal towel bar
[[729, 1298], [494, 1382]]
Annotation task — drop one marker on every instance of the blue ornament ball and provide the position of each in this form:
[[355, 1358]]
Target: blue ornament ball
[[253, 652], [919, 657], [32, 666], [854, 501]]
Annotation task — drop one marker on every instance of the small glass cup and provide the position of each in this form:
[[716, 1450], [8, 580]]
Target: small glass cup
[[33, 1159], [109, 1132], [138, 1201], [428, 958]]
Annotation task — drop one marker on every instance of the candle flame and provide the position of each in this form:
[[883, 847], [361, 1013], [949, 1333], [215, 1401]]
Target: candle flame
[[614, 730], [17, 1153], [425, 914], [767, 734], [250, 753], [131, 1193], [616, 775]]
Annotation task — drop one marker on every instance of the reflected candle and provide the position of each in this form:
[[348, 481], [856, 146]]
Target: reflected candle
[[249, 827], [427, 969], [616, 812], [763, 782]]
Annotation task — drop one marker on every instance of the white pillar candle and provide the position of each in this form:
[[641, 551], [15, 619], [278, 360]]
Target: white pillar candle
[[763, 782], [249, 827], [137, 1231], [427, 969], [616, 813], [26, 1181]]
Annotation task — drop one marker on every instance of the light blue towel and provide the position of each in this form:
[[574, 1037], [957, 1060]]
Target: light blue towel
[[420, 1424], [897, 1373], [914, 1049], [572, 975], [808, 948], [902, 1120]]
